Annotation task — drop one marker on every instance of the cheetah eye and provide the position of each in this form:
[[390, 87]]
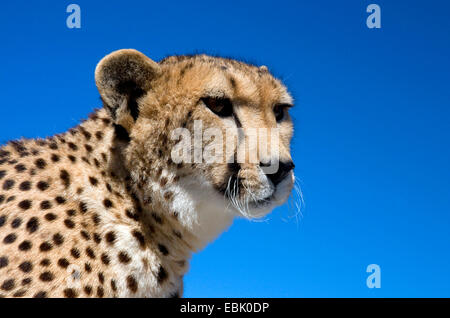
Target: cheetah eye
[[280, 110], [218, 105]]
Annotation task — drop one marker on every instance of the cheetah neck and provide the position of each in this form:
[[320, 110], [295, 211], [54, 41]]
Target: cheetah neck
[[190, 205], [202, 212]]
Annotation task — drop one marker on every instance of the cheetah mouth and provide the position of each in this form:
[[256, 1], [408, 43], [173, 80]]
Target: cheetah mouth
[[260, 203], [244, 199], [254, 203]]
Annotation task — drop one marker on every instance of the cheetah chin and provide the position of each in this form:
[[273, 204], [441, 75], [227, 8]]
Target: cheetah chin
[[116, 206]]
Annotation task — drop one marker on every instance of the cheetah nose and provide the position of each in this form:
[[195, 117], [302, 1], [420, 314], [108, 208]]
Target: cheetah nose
[[283, 169]]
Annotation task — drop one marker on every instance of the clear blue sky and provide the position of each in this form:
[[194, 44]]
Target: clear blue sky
[[372, 128]]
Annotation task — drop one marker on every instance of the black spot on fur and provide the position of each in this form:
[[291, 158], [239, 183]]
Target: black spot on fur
[[124, 258], [45, 205], [88, 290], [50, 217], [42, 185], [101, 278], [113, 285], [40, 163], [45, 262], [69, 223], [10, 238], [75, 252], [60, 200], [162, 275], [18, 146], [64, 263], [110, 237], [16, 223], [19, 168], [86, 133], [105, 259], [72, 146], [26, 267], [96, 219], [164, 251], [25, 204], [70, 293], [8, 285], [107, 203], [168, 195], [45, 247], [93, 181], [97, 238], [99, 135], [90, 252], [232, 82], [157, 218], [46, 277], [100, 291], [58, 239], [85, 235], [41, 294], [132, 284], [25, 246], [41, 142], [4, 153], [139, 237], [26, 281], [55, 158], [20, 293], [132, 215], [8, 184], [121, 133], [83, 207], [65, 178], [4, 261], [25, 186]]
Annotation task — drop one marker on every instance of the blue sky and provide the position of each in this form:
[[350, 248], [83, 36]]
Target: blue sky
[[371, 116]]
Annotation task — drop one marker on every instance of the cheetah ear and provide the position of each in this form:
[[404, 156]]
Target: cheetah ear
[[122, 77]]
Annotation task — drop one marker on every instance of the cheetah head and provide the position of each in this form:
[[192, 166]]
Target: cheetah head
[[197, 124]]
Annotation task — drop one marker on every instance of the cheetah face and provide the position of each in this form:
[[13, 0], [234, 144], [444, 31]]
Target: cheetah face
[[218, 120]]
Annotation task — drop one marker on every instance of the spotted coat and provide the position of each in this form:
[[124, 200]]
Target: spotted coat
[[101, 210]]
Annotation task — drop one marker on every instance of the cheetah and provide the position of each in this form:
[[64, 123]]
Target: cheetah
[[104, 210]]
